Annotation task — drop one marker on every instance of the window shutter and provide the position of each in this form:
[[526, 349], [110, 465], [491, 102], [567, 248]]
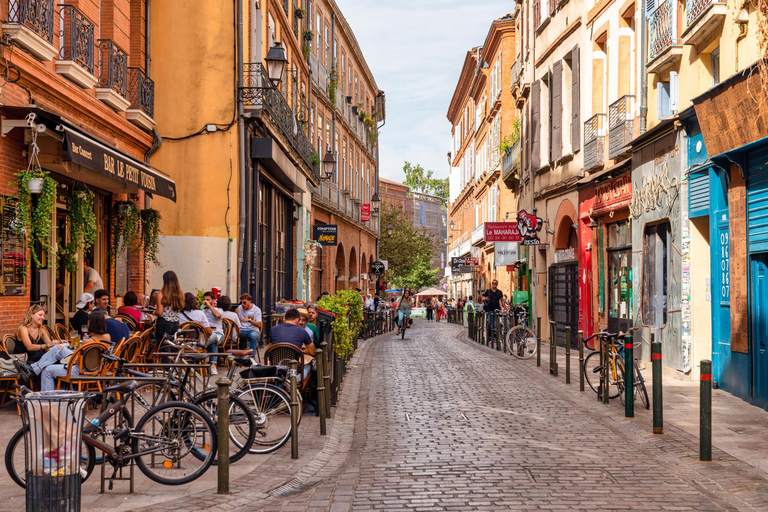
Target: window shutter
[[549, 117], [663, 97], [673, 91], [650, 6], [535, 126], [556, 141], [575, 102]]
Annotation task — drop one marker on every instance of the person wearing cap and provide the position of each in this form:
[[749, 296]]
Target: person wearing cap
[[84, 308]]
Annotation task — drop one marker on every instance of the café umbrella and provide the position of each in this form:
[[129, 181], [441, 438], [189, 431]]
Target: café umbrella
[[430, 292]]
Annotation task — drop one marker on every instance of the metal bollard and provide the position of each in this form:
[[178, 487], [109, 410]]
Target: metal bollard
[[705, 411], [568, 354], [320, 376], [553, 348], [326, 379], [293, 364], [658, 405], [606, 373], [629, 377], [497, 330], [538, 341], [580, 341], [222, 434]]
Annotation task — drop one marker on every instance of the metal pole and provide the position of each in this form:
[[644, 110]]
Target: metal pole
[[705, 414], [293, 364], [538, 341], [568, 354], [606, 373], [326, 379], [580, 341], [319, 357], [223, 384], [629, 378], [553, 348], [658, 405], [600, 386]]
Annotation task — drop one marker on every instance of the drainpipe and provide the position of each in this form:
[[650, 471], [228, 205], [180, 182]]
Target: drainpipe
[[643, 74], [333, 107], [241, 151]]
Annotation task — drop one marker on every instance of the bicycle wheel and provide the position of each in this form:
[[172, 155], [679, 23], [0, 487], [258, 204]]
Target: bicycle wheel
[[272, 410], [16, 453], [242, 423], [640, 386], [592, 374], [521, 342], [169, 440]]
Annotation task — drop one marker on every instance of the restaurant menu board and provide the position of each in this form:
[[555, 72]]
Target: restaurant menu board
[[13, 248]]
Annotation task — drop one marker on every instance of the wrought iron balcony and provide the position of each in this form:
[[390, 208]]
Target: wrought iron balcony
[[703, 18], [662, 29], [332, 196], [694, 9], [594, 142], [511, 163], [77, 38], [259, 94], [141, 91], [620, 125], [113, 63], [36, 15]]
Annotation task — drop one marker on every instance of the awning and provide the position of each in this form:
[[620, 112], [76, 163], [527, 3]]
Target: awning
[[85, 151]]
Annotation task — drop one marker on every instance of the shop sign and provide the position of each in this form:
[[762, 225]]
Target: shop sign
[[502, 232], [463, 265], [529, 226], [377, 268], [14, 251], [565, 255], [613, 193], [505, 253], [365, 212], [326, 234], [89, 153]]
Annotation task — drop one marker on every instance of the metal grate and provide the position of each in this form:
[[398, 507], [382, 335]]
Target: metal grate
[[293, 487], [619, 125], [594, 142]]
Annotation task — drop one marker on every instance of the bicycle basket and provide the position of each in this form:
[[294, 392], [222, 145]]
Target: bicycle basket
[[265, 372]]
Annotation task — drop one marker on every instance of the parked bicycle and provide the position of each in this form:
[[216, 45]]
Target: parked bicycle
[[615, 371], [173, 443], [521, 340]]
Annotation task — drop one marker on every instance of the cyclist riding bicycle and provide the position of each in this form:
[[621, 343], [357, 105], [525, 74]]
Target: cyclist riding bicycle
[[403, 310]]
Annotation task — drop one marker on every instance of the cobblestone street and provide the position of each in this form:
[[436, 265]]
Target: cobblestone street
[[436, 422]]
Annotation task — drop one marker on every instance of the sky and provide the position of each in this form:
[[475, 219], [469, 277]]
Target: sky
[[415, 50]]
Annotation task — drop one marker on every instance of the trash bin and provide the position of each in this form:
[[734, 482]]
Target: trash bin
[[55, 420]]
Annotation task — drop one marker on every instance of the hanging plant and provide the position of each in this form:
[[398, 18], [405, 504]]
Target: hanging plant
[[68, 255], [150, 234], [332, 86], [305, 51], [307, 34], [299, 13], [82, 218], [125, 227], [36, 224]]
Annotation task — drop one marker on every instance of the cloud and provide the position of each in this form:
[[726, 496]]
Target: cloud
[[415, 50]]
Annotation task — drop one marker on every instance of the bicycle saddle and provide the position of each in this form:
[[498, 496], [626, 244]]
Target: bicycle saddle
[[123, 387], [240, 353]]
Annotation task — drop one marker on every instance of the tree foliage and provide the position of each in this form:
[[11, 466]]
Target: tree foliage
[[422, 181], [408, 251]]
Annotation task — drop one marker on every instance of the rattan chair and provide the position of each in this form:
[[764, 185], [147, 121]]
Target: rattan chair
[[51, 333], [199, 337], [285, 352], [61, 331], [90, 364], [128, 320], [10, 380]]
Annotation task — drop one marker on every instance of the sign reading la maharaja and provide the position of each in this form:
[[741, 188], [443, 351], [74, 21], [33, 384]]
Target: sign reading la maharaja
[[93, 155]]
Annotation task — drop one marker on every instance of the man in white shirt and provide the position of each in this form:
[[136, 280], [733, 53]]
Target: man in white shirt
[[250, 318], [369, 303], [91, 278], [214, 316]]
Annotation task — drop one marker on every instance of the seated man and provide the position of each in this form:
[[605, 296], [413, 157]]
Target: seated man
[[291, 332]]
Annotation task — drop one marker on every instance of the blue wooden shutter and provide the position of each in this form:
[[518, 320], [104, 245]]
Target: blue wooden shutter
[[757, 202], [698, 194]]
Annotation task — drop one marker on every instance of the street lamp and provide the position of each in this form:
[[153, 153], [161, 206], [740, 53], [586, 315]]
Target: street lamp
[[451, 225], [375, 202], [390, 229], [276, 60], [329, 164]]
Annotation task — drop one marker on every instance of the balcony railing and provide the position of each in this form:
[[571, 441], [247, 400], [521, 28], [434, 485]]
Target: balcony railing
[[141, 91], [334, 197], [694, 9], [36, 15], [662, 29], [511, 161], [594, 142], [76, 39], [259, 94], [620, 125], [113, 63]]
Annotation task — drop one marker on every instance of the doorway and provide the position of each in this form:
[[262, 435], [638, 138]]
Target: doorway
[[619, 277], [760, 327], [564, 300]]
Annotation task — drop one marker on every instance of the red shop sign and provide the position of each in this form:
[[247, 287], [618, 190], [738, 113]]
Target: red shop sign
[[502, 232], [613, 193], [365, 212]]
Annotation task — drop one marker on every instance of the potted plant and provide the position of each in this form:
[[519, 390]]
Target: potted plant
[[332, 85], [125, 225], [354, 109], [35, 223], [315, 159], [299, 13], [82, 226], [305, 51], [307, 34]]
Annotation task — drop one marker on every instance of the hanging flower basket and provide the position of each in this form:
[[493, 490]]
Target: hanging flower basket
[[299, 12], [36, 185]]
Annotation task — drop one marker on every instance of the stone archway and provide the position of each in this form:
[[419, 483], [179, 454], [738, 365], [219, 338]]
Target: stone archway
[[354, 275], [340, 272]]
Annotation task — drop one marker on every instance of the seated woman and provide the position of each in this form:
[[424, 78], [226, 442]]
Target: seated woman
[[129, 306], [48, 366], [192, 313]]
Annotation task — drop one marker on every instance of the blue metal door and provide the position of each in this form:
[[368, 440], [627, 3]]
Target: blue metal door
[[720, 285], [760, 327]]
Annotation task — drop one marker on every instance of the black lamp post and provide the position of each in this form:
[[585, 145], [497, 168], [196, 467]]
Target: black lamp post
[[276, 60], [390, 229], [329, 164], [375, 202]]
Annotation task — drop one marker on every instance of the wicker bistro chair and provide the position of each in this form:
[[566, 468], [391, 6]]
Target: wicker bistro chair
[[128, 321], [199, 336], [51, 333], [9, 379], [61, 331], [146, 346], [129, 349], [285, 352], [90, 363]]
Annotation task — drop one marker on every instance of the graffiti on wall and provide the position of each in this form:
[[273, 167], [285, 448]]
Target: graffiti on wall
[[657, 191]]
